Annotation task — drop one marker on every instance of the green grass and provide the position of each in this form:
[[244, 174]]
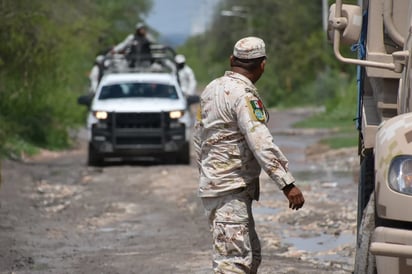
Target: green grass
[[339, 115], [17, 147], [341, 141], [324, 120], [345, 133]]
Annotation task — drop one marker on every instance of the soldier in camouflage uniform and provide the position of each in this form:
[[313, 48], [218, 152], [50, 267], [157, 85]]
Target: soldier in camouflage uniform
[[233, 144]]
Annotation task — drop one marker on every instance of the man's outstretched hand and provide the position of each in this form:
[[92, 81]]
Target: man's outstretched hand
[[294, 196]]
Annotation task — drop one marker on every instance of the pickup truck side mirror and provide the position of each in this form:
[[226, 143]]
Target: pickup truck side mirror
[[85, 99], [193, 99]]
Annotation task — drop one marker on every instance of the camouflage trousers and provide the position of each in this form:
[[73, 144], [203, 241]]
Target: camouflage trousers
[[236, 246]]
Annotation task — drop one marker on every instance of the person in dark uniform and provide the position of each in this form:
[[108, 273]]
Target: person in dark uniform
[[136, 47]]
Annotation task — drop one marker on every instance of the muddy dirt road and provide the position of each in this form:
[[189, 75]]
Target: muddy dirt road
[[59, 216]]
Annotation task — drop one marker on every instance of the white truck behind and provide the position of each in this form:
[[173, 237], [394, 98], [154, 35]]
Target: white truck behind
[[140, 112]]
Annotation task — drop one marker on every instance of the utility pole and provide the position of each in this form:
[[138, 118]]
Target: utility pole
[[325, 13], [240, 12]]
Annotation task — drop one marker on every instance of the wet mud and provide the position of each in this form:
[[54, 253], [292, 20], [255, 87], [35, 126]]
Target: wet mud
[[59, 216]]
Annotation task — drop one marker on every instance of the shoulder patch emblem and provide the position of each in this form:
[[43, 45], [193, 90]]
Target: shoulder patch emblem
[[199, 114], [257, 110]]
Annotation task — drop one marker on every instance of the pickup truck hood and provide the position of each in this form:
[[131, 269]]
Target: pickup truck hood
[[139, 105]]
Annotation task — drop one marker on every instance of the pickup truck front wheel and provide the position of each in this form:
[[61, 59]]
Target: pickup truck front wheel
[[184, 155], [94, 158]]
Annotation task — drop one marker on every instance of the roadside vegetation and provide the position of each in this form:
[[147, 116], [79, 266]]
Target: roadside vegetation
[[48, 48], [301, 69], [339, 115]]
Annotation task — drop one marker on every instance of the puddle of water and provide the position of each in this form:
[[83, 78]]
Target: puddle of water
[[107, 229], [322, 176], [327, 248], [322, 242]]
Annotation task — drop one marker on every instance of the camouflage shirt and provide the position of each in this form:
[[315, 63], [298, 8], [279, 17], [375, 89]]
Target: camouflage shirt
[[231, 139]]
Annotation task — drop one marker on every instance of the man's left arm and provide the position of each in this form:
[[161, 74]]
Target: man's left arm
[[252, 123], [252, 118]]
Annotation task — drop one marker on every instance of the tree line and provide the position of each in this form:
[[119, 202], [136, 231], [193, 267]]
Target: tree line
[[301, 67], [46, 51]]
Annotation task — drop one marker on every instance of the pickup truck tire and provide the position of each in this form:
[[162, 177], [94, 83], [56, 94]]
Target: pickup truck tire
[[94, 158]]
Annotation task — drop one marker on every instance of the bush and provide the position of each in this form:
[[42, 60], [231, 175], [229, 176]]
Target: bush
[[47, 50]]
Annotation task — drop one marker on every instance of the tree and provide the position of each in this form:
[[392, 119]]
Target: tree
[[297, 49], [46, 51]]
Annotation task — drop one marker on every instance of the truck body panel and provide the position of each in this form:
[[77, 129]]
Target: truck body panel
[[384, 242]]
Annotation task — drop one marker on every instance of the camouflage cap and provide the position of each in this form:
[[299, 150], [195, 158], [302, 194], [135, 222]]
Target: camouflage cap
[[249, 48]]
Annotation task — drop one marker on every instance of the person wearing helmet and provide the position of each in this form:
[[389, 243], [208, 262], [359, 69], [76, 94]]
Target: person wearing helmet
[[136, 46], [186, 76], [96, 73]]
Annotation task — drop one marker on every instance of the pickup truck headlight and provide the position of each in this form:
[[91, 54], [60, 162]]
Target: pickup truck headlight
[[176, 114], [400, 174], [101, 115]]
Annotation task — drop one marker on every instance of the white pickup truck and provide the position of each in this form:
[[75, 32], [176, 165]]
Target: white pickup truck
[[139, 113]]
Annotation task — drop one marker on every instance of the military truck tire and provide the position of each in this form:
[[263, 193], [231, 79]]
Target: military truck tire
[[366, 183], [184, 155], [364, 260], [94, 159]]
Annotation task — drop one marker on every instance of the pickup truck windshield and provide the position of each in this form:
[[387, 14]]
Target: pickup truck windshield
[[138, 90]]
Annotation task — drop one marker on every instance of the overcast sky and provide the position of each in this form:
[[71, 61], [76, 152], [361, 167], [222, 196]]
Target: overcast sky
[[184, 17]]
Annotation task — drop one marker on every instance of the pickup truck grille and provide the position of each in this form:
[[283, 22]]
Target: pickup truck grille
[[140, 131], [140, 128], [138, 140], [139, 120]]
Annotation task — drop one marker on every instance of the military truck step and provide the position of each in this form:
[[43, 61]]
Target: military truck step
[[370, 121], [382, 105]]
